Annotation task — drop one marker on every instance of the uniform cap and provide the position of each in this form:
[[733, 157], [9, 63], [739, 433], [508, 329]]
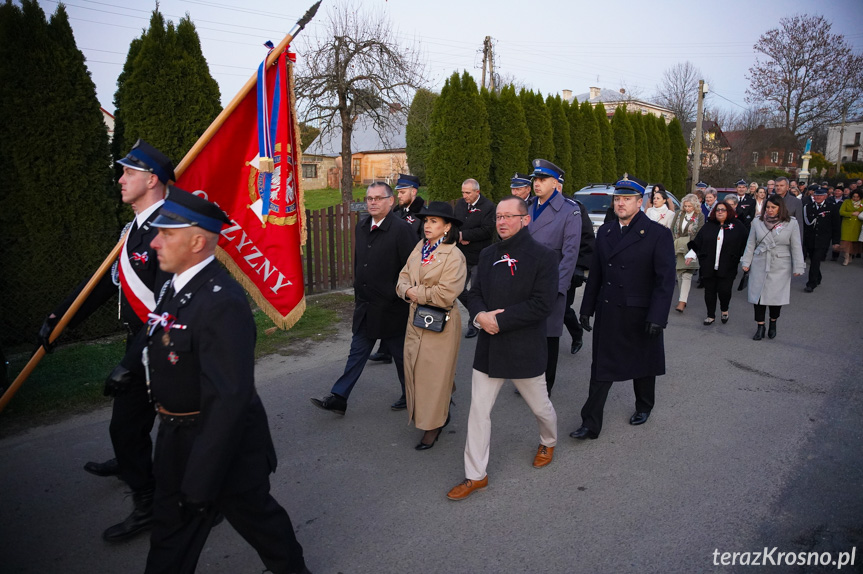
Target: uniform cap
[[406, 180], [184, 209], [519, 180], [630, 186], [544, 168], [144, 157]]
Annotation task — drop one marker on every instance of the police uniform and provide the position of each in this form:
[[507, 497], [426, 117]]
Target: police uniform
[[138, 275], [629, 289], [520, 180], [556, 224], [214, 452], [819, 233]]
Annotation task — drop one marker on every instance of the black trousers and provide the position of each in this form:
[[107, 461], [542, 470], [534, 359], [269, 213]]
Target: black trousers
[[176, 541], [717, 287], [471, 269], [551, 364], [591, 412], [816, 256], [570, 318], [761, 311], [131, 422]]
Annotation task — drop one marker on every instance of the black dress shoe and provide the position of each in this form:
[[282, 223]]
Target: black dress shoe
[[471, 332], [808, 289], [400, 404], [140, 520], [107, 468], [576, 346], [638, 419], [424, 446], [332, 403], [771, 330], [583, 433], [384, 358]]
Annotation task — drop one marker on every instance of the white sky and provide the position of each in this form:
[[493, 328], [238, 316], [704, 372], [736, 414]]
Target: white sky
[[548, 45]]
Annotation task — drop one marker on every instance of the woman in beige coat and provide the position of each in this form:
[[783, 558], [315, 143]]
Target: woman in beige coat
[[433, 275]]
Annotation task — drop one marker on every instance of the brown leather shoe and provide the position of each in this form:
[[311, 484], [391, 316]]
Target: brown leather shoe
[[680, 307], [464, 489], [543, 457]]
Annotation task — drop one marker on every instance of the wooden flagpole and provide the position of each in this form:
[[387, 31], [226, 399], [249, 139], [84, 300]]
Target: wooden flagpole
[[190, 156]]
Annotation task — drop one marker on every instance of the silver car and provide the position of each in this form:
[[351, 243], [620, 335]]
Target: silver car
[[596, 198]]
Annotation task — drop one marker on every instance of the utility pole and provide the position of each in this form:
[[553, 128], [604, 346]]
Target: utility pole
[[841, 137], [696, 148], [487, 63], [485, 45]]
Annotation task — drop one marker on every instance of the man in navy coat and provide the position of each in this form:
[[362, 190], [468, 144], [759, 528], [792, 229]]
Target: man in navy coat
[[629, 290]]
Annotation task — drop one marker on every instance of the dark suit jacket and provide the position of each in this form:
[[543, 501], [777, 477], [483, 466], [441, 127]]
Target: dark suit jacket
[[209, 367], [379, 256], [526, 292], [631, 282], [478, 227], [820, 229], [733, 245], [409, 215]]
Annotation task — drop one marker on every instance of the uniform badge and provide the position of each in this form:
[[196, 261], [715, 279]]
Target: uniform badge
[[217, 288], [142, 257], [641, 232], [185, 298], [172, 356]]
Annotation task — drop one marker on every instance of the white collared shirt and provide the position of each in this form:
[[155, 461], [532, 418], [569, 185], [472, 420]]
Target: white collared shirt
[[141, 218], [377, 223], [180, 280]]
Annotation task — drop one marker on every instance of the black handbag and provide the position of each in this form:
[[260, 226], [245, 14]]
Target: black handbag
[[430, 318]]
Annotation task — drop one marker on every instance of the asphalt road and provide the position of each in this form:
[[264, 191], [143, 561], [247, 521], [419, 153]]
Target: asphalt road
[[751, 445]]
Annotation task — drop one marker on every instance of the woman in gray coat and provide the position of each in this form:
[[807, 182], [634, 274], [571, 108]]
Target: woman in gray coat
[[773, 253]]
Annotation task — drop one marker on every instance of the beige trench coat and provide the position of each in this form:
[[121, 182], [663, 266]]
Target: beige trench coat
[[430, 358]]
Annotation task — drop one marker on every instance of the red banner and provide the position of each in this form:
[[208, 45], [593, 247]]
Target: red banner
[[261, 246]]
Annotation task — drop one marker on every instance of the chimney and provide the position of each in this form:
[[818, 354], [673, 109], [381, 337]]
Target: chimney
[[567, 94], [622, 90], [594, 93]]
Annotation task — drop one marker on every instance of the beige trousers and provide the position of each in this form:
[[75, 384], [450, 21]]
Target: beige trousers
[[483, 393], [684, 279]]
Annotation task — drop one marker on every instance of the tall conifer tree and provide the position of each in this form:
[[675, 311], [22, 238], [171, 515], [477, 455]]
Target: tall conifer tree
[[539, 125], [609, 159], [165, 94], [510, 140], [562, 157], [58, 206], [576, 138], [654, 152], [592, 144], [418, 132], [677, 147], [624, 142], [461, 139], [642, 150]]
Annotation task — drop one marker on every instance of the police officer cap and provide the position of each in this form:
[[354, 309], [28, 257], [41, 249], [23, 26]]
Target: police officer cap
[[145, 157], [742, 182], [630, 186], [519, 180], [544, 168], [440, 209], [406, 180], [184, 209], [819, 190], [701, 185]]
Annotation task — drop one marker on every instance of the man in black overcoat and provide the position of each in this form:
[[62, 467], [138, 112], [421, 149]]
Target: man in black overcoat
[[582, 265], [382, 245], [820, 232], [214, 453], [629, 289], [477, 231], [514, 291], [136, 274]]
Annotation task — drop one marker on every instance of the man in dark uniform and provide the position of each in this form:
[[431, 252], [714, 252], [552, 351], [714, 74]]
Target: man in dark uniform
[[477, 232], [743, 198], [214, 452], [555, 221], [382, 245], [579, 277], [146, 172], [520, 186], [629, 288], [819, 233], [514, 290]]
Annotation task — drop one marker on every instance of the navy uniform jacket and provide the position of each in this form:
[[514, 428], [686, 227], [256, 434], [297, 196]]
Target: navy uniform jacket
[[209, 367], [747, 200], [526, 291], [379, 256], [631, 282], [409, 215], [820, 230], [143, 260], [559, 228], [746, 213], [477, 227]]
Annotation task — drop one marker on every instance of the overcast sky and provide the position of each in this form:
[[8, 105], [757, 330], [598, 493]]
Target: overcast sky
[[547, 45]]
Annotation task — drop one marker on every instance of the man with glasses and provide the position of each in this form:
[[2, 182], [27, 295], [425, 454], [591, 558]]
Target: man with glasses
[[382, 245], [514, 290], [476, 233]]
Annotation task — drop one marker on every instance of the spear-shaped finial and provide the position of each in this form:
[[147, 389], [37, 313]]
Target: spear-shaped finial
[[307, 17]]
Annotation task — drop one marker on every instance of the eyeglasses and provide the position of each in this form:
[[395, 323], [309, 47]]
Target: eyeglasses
[[376, 198], [507, 217], [723, 210]]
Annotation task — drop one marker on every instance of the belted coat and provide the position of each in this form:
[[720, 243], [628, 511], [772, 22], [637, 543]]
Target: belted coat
[[631, 282], [772, 257]]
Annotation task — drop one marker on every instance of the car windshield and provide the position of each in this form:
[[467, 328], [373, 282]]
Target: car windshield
[[595, 202]]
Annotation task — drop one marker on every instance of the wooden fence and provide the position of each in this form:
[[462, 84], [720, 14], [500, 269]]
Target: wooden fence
[[328, 257]]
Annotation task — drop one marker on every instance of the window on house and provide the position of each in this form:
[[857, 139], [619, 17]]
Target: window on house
[[854, 155], [857, 138], [790, 158], [310, 170], [774, 157], [755, 157], [356, 171]]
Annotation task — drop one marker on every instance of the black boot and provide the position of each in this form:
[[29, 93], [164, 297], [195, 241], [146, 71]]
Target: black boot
[[771, 330], [139, 521], [759, 332]]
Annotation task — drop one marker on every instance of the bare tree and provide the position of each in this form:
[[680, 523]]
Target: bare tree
[[679, 90], [804, 74], [357, 70]]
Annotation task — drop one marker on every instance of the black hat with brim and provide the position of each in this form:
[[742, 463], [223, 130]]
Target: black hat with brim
[[440, 209], [184, 209]]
